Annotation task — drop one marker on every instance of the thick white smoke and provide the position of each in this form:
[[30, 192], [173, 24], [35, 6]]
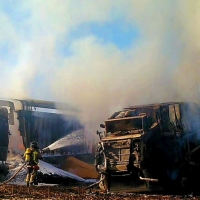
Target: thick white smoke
[[99, 78]]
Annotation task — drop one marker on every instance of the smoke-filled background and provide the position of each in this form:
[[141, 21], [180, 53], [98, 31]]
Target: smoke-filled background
[[100, 55]]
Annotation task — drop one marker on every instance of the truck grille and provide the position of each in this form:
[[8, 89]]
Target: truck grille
[[118, 152]]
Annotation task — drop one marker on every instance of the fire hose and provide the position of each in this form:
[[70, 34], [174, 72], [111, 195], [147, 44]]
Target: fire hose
[[5, 182], [90, 186]]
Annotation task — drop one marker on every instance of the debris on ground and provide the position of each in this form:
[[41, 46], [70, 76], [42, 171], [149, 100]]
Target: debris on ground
[[78, 193]]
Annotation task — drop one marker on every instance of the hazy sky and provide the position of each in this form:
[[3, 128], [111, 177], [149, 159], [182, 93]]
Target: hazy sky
[[100, 55]]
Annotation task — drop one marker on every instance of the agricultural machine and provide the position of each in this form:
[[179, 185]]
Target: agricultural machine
[[154, 147]]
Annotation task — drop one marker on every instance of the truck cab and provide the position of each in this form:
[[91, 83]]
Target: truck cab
[[143, 147]]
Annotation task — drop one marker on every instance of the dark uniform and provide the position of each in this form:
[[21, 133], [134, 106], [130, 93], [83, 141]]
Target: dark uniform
[[31, 156]]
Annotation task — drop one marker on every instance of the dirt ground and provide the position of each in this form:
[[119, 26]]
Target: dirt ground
[[75, 190], [16, 192]]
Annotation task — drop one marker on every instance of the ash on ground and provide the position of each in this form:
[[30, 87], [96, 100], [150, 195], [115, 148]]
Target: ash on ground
[[55, 183], [46, 174]]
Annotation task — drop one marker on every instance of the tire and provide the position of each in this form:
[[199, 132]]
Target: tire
[[104, 183]]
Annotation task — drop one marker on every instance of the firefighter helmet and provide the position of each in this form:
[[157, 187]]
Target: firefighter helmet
[[34, 145]]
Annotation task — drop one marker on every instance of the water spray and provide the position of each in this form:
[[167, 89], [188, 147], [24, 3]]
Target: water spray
[[45, 150], [73, 138]]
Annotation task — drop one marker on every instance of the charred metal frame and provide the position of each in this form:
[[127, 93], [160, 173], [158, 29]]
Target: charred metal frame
[[167, 142], [34, 115]]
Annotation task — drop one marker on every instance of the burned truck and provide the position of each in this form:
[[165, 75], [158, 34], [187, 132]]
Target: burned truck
[[153, 147]]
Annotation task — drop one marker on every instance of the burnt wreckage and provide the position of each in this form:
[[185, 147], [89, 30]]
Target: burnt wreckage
[[38, 121], [5, 118], [153, 147]]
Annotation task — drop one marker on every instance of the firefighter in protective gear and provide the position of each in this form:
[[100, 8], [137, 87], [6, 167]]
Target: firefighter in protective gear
[[31, 156]]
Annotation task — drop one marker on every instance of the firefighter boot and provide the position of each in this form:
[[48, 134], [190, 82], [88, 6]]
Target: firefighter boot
[[28, 179], [32, 178]]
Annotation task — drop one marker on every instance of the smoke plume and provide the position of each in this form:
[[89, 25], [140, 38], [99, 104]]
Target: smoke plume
[[96, 76]]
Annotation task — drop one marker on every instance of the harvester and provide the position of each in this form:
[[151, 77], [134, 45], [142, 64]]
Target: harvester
[[152, 147]]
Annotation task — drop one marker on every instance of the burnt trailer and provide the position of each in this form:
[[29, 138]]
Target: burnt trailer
[[6, 118], [153, 147], [40, 121], [4, 134], [35, 120]]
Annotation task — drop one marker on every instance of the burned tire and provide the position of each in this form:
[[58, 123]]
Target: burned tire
[[104, 183], [100, 161]]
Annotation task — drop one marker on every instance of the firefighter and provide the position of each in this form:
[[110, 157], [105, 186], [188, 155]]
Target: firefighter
[[31, 156]]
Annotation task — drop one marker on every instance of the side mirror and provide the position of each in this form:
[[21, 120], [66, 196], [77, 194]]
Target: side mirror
[[102, 125]]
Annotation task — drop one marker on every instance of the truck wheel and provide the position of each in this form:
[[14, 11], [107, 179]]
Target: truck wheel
[[104, 183]]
